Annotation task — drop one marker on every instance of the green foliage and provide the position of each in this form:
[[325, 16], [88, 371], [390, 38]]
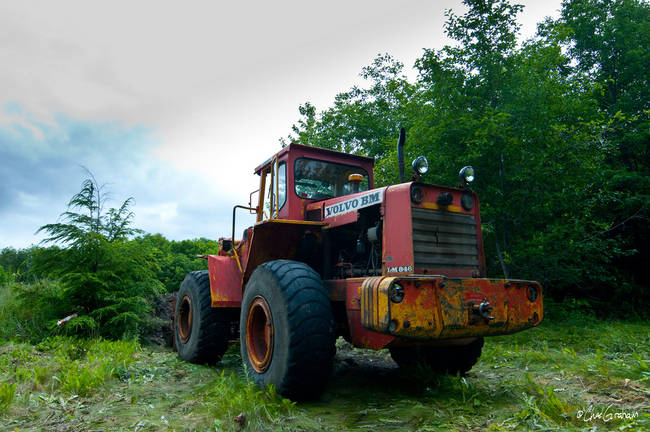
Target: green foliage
[[62, 366], [99, 362], [177, 258], [609, 40], [7, 393], [15, 262], [230, 396], [5, 276], [29, 311], [92, 224], [54, 282], [82, 380]]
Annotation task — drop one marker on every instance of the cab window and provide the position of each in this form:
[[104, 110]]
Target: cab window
[[280, 175], [318, 180]]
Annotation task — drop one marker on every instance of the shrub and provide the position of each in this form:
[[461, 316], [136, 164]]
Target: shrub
[[5, 276], [29, 311]]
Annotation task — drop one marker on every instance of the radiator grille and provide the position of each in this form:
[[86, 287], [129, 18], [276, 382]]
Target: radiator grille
[[444, 240]]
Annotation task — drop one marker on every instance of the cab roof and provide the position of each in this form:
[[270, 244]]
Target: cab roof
[[315, 152]]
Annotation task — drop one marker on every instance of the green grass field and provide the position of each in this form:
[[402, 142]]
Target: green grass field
[[571, 373]]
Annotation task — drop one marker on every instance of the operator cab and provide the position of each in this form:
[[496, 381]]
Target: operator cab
[[299, 175]]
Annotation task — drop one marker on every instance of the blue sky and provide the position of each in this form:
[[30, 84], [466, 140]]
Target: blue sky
[[43, 165], [175, 103]]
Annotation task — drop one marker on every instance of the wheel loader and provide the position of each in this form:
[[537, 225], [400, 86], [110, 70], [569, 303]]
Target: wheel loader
[[398, 267]]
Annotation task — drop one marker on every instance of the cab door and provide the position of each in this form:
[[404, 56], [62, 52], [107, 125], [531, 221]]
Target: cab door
[[273, 187]]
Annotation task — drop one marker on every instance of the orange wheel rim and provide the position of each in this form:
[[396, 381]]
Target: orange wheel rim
[[259, 334], [185, 318]]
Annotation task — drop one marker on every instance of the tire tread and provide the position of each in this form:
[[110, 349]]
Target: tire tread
[[213, 332], [311, 332]]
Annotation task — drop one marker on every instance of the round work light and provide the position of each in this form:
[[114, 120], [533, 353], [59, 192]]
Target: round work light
[[421, 165], [467, 174]]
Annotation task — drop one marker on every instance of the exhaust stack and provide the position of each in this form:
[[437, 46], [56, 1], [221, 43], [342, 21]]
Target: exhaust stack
[[400, 153]]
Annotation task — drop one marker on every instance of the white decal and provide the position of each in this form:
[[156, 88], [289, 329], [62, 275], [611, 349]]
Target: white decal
[[359, 202], [400, 269]]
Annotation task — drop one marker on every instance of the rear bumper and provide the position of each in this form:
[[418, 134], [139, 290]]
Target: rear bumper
[[436, 307]]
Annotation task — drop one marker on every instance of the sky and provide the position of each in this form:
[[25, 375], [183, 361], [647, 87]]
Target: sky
[[175, 103]]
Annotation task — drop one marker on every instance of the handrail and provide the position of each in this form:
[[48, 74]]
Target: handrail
[[234, 249], [250, 199], [276, 165]]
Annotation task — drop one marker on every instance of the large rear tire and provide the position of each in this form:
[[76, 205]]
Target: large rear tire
[[201, 331], [447, 359], [286, 329]]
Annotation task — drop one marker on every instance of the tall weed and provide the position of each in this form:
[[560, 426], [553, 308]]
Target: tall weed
[[7, 393], [544, 401], [68, 365], [83, 378], [231, 395]]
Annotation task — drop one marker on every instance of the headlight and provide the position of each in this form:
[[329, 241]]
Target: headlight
[[417, 194], [467, 174], [396, 293], [467, 201], [421, 165]]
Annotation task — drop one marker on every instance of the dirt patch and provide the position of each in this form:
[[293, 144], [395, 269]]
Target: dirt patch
[[350, 358], [161, 331]]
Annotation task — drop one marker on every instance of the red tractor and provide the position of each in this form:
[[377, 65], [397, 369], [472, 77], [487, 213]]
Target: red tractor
[[399, 267]]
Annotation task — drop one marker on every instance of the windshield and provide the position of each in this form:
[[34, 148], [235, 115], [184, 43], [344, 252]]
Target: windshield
[[317, 179]]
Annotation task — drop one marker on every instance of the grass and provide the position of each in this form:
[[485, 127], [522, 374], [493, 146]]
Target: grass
[[571, 373]]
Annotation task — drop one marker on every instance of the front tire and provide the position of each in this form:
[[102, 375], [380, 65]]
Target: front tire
[[286, 329], [447, 359], [201, 331]]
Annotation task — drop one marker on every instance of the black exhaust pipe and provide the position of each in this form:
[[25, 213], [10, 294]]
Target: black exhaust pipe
[[400, 153]]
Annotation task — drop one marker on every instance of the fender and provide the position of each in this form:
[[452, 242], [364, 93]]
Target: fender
[[225, 281]]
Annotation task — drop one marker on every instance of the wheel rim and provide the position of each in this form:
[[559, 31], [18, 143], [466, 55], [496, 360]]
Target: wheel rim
[[185, 318], [259, 334]]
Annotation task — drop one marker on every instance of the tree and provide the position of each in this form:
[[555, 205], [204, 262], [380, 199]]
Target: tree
[[79, 227], [609, 41], [177, 258], [106, 279], [486, 40]]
